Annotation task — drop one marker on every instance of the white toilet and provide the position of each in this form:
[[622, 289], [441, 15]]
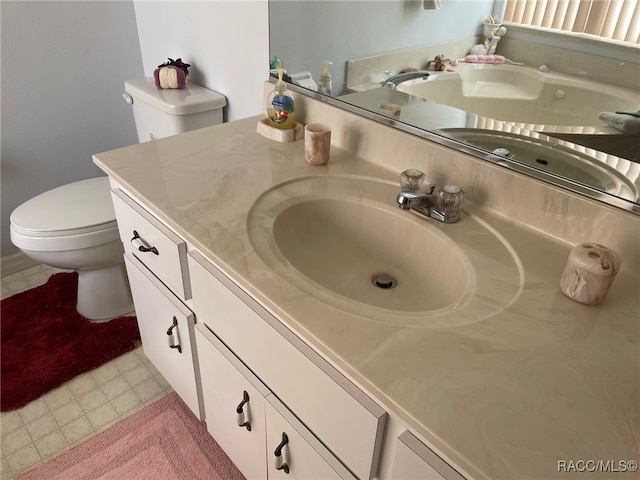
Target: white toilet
[[74, 226]]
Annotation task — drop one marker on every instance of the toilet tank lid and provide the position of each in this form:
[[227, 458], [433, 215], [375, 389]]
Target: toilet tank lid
[[193, 98], [76, 207]]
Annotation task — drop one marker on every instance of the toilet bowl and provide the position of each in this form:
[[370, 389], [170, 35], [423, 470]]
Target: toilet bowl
[[73, 227]]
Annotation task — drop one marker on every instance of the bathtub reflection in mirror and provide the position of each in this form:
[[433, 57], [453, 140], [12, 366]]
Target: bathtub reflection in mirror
[[554, 99]]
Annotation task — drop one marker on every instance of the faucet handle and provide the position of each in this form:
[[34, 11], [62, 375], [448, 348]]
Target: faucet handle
[[450, 199], [411, 180]]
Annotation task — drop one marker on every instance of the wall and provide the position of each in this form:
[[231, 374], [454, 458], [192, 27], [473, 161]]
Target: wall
[[63, 69], [64, 65], [226, 42], [304, 34]]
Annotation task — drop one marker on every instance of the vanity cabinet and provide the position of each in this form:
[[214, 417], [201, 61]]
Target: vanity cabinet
[[275, 406], [252, 426], [155, 258], [338, 413]]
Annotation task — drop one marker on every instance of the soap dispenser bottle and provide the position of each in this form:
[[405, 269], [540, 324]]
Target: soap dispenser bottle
[[280, 104], [324, 86]]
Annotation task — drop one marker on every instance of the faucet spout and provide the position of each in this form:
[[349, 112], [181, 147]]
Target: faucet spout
[[393, 81], [443, 207]]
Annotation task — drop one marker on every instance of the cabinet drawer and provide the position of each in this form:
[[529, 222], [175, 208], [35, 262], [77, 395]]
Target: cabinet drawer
[[151, 242], [415, 461], [157, 311], [225, 380], [348, 421], [304, 455]]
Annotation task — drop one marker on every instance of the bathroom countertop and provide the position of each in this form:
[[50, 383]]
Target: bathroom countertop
[[542, 381]]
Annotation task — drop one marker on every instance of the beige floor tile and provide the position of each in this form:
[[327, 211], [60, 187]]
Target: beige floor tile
[[10, 421], [51, 444], [148, 389], [6, 472], [14, 441], [105, 373], [127, 362], [82, 384], [126, 402], [5, 293], [102, 415], [67, 413], [137, 375], [17, 285], [115, 387], [34, 410], [42, 426], [92, 400], [24, 459], [77, 430], [58, 397]]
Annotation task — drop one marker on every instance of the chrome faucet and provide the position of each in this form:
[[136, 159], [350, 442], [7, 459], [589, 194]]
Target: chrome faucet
[[444, 207], [393, 81]]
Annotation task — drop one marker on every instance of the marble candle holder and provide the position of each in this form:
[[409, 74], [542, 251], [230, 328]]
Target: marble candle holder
[[590, 270]]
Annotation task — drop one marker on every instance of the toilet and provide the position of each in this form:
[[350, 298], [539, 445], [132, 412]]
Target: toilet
[[73, 227]]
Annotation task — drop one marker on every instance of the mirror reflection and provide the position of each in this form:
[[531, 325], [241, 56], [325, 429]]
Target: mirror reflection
[[561, 103]]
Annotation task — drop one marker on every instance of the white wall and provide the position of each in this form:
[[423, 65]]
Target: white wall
[[226, 43], [63, 69]]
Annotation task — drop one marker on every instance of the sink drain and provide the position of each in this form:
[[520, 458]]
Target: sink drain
[[384, 281]]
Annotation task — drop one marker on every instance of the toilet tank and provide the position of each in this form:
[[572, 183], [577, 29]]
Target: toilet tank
[[164, 112]]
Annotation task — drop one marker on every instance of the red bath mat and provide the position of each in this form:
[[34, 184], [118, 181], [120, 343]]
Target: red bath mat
[[45, 342]]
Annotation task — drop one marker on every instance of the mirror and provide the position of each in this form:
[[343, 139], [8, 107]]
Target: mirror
[[568, 145]]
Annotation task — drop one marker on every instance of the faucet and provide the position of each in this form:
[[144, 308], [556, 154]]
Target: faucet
[[444, 207], [393, 81]]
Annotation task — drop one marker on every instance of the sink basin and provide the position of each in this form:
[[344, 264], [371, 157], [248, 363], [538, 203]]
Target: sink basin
[[551, 158], [343, 241], [339, 243]]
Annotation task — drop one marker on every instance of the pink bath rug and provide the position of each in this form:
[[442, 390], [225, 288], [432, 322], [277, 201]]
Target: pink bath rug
[[162, 441]]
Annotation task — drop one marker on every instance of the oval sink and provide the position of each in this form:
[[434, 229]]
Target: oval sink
[[343, 241], [346, 245], [551, 158]]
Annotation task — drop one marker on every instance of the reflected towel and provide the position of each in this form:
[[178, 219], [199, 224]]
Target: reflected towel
[[627, 123]]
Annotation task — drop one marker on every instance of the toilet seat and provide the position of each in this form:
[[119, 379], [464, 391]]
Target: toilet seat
[[77, 215]]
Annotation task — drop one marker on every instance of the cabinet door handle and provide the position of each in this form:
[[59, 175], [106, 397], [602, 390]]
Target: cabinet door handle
[[243, 415], [280, 453], [171, 339], [139, 244]]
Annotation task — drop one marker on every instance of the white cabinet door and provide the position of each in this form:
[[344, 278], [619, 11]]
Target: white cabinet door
[[231, 398], [415, 461], [347, 420], [166, 328], [293, 452]]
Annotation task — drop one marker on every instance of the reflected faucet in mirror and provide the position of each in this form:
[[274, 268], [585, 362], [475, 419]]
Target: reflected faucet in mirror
[[394, 80]]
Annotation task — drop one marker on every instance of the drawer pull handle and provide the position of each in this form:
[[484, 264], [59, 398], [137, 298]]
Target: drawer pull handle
[[243, 416], [171, 339], [138, 243], [280, 462]]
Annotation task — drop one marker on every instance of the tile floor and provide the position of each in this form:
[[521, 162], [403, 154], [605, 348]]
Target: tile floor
[[80, 408]]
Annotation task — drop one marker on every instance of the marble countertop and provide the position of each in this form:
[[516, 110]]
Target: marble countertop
[[542, 380]]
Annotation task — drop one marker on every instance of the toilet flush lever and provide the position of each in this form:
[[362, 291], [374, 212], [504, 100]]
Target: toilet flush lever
[[139, 244]]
